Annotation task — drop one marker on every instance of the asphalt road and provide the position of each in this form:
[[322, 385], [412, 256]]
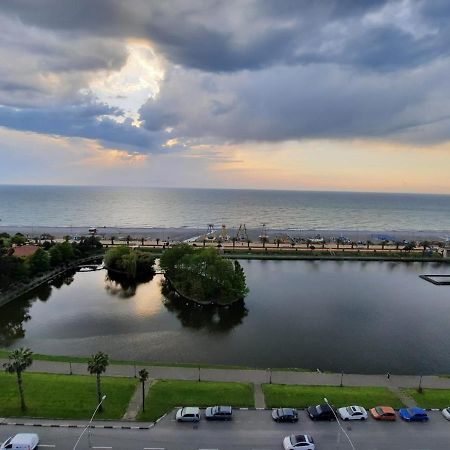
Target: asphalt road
[[250, 430]]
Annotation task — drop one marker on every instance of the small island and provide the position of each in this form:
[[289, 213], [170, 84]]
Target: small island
[[203, 276], [129, 262]]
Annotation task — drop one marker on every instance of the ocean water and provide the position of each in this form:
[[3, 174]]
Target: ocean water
[[158, 207]]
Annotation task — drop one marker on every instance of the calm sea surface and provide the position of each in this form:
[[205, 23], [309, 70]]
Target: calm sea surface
[[360, 317], [150, 207]]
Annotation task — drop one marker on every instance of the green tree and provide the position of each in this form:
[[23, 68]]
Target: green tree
[[55, 256], [97, 365], [143, 377], [18, 361], [39, 261], [18, 239]]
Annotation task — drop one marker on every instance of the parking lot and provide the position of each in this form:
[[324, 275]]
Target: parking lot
[[250, 430]]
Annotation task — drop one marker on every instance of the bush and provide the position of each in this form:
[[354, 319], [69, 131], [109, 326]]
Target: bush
[[133, 263]]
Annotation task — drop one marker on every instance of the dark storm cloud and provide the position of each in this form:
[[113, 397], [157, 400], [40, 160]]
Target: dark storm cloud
[[84, 120], [227, 36]]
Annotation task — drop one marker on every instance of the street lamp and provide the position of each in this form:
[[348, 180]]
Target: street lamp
[[88, 426], [339, 423]]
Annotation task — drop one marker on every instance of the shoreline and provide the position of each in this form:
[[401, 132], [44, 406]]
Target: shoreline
[[177, 234]]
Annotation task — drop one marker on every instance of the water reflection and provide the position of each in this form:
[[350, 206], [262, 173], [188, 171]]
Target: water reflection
[[213, 318], [120, 285], [14, 315]]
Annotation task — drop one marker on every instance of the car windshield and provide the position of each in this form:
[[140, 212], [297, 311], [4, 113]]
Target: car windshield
[[410, 411], [286, 412], [215, 409], [319, 409], [350, 410], [379, 410]]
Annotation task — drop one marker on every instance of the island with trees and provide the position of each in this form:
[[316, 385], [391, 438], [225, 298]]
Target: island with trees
[[203, 275], [129, 262]]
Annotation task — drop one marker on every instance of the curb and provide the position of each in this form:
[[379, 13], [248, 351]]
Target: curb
[[68, 425]]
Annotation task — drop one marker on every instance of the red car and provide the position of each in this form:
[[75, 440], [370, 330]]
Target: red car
[[383, 413]]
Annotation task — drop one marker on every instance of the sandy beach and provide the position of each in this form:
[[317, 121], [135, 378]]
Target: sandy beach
[[185, 233]]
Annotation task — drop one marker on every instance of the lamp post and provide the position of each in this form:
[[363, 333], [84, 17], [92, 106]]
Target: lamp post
[[339, 423], [88, 426]]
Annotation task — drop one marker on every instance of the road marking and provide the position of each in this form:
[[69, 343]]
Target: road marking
[[101, 447], [47, 445], [154, 448]]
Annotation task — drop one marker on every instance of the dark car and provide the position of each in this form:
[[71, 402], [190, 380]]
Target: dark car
[[218, 413], [285, 415], [321, 412]]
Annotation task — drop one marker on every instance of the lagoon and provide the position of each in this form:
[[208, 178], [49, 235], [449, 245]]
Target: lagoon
[[355, 316]]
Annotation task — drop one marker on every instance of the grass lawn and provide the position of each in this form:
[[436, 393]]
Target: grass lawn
[[64, 396], [302, 396], [431, 398], [164, 395]]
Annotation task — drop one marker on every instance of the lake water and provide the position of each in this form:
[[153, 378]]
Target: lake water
[[73, 206], [366, 317]]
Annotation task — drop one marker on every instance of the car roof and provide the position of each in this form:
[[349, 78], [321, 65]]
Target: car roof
[[190, 410], [386, 409], [287, 411], [416, 410], [224, 408]]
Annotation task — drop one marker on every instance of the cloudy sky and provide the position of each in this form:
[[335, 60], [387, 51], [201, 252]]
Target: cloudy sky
[[291, 94]]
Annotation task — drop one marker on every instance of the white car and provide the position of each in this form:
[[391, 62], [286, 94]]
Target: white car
[[298, 441], [353, 413], [446, 413], [21, 441], [188, 414]]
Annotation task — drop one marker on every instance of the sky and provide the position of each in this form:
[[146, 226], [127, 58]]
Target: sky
[[265, 94]]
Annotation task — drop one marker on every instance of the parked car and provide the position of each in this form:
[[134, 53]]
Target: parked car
[[353, 413], [383, 413], [413, 414], [21, 441], [321, 412], [285, 415], [298, 441], [219, 413], [446, 413], [188, 414]]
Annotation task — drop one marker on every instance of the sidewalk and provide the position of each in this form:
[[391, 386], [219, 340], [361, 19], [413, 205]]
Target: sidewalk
[[256, 376]]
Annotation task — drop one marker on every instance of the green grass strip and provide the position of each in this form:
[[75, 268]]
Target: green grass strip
[[298, 396], [430, 398], [64, 396], [164, 395]]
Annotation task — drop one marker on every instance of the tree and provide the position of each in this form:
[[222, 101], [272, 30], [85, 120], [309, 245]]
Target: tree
[[18, 239], [157, 241], [97, 365], [234, 239], [143, 377], [39, 261], [55, 256], [384, 243], [128, 239], [19, 360], [368, 244], [112, 240], [424, 245]]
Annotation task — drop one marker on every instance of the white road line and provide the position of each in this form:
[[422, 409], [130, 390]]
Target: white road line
[[154, 448], [101, 447], [47, 445]]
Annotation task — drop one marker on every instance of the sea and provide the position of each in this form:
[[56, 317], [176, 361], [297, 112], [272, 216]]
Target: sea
[[81, 206]]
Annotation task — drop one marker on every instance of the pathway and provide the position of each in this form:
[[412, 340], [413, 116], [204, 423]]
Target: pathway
[[260, 400], [257, 376], [135, 405]]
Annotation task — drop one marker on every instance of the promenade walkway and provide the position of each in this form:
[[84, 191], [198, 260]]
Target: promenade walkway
[[256, 376]]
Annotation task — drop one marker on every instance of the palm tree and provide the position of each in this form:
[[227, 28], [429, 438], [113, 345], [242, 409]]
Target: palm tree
[[425, 245], [143, 377], [368, 244], [157, 241], [19, 360], [383, 243], [97, 364], [112, 240], [234, 239], [142, 242], [128, 240], [248, 243]]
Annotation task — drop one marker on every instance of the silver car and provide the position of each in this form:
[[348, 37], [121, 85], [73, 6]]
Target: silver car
[[188, 414]]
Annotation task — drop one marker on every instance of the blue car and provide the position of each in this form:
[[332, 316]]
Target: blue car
[[413, 414]]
